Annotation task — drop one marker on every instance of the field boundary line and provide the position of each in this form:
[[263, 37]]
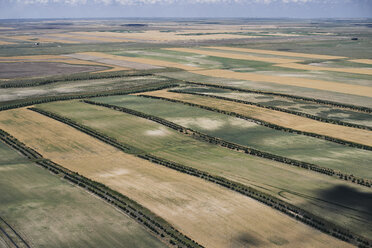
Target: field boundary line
[[150, 221], [309, 116], [267, 124], [20, 242], [286, 208], [233, 146], [308, 99]]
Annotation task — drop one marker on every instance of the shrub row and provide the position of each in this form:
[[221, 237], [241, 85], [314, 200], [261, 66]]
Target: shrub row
[[268, 124], [314, 117], [154, 223], [213, 140], [308, 99], [137, 89], [267, 199]]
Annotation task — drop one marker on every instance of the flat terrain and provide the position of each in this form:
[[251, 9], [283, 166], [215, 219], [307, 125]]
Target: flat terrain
[[308, 189], [276, 117], [189, 203], [50, 211]]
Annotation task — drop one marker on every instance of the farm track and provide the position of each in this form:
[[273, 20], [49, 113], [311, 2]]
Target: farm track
[[12, 235], [258, 121], [153, 223], [313, 117], [248, 150], [286, 208]]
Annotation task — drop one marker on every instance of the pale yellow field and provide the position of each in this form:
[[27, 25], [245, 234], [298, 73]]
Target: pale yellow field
[[234, 55], [292, 81], [143, 61], [86, 37], [276, 117], [362, 61], [206, 212], [320, 68], [6, 43], [269, 52], [157, 36], [40, 39]]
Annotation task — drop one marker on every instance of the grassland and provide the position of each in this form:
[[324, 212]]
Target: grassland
[[306, 189], [275, 117], [51, 212], [189, 203]]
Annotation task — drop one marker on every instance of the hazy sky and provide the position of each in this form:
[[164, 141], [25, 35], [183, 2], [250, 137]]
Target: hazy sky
[[185, 8]]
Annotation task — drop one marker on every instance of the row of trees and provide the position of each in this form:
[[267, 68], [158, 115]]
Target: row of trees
[[167, 231], [287, 208], [308, 99], [132, 90], [268, 124], [314, 117]]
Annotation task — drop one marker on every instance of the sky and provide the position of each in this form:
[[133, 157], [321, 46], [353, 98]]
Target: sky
[[13, 9]]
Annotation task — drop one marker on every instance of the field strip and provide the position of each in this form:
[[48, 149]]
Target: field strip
[[362, 61], [320, 68], [299, 82], [142, 61], [112, 61], [40, 39], [234, 56], [275, 117], [33, 57], [189, 203], [90, 38], [270, 52], [6, 43]]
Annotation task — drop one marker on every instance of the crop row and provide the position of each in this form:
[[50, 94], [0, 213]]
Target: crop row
[[153, 223], [308, 99], [289, 209], [314, 117], [268, 124], [248, 150]]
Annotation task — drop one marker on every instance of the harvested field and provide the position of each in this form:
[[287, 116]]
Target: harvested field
[[319, 68], [112, 60], [40, 39], [276, 117], [6, 43], [37, 69], [234, 56], [33, 57], [85, 38], [291, 184], [362, 61], [190, 204], [50, 212], [280, 53], [292, 81]]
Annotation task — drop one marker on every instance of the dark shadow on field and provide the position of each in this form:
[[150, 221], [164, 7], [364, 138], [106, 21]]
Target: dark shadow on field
[[246, 240], [351, 198]]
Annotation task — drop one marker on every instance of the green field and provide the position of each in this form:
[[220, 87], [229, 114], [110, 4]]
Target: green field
[[50, 212], [312, 191], [316, 109], [324, 153]]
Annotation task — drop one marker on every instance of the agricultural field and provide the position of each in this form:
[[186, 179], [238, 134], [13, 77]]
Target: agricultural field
[[185, 133]]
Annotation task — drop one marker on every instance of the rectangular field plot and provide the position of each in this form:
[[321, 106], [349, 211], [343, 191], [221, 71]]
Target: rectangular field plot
[[189, 203], [316, 109], [49, 212], [301, 187]]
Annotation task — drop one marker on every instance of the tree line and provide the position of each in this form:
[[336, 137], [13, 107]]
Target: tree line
[[268, 124], [308, 99], [314, 117]]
